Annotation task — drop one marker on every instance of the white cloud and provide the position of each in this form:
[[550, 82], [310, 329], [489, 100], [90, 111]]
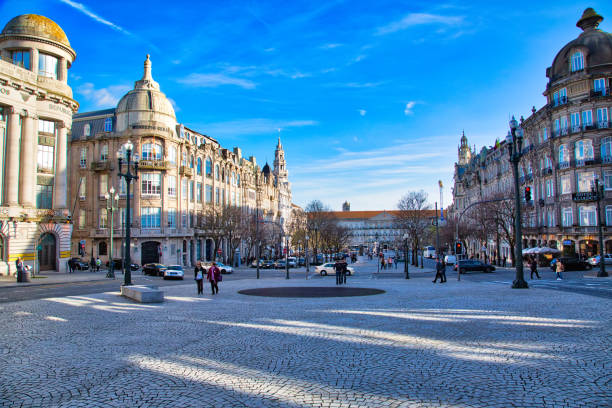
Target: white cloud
[[103, 97], [330, 46], [215, 80], [414, 19], [362, 112], [271, 49], [408, 108], [252, 126], [87, 12]]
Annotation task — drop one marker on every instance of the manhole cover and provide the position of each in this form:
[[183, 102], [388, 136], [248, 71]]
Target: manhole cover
[[311, 292]]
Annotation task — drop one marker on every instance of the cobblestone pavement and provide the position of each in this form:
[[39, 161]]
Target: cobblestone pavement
[[458, 344]]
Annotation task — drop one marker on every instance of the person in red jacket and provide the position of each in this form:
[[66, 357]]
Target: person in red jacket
[[214, 276]]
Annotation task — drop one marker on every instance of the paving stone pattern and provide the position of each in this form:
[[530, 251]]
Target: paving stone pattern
[[461, 344]]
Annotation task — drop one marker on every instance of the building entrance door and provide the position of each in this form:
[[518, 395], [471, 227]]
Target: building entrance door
[[150, 252], [46, 254]]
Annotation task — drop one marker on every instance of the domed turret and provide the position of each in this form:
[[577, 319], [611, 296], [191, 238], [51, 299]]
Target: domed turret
[[33, 25], [145, 103]]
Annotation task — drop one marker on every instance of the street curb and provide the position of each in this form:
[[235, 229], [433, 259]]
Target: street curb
[[25, 285]]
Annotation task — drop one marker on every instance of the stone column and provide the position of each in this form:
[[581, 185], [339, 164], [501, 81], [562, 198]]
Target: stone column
[[11, 170], [28, 162], [60, 185], [34, 60], [2, 149]]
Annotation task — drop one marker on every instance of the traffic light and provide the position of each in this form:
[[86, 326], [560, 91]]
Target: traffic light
[[527, 194], [458, 247], [81, 249]]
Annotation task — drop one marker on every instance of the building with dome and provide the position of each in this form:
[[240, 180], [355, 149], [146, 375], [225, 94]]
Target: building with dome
[[182, 172], [36, 108], [568, 144]]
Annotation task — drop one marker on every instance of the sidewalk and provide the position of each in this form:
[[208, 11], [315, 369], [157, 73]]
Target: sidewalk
[[52, 278]]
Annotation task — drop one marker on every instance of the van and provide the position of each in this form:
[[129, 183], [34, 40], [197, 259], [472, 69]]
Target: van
[[450, 260], [429, 252]]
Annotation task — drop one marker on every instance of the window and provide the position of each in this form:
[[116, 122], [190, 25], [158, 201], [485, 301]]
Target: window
[[208, 194], [575, 121], [108, 124], [191, 192], [565, 184], [560, 97], [550, 219], [238, 180], [150, 184], [583, 150], [171, 217], [82, 219], [563, 154], [577, 61], [150, 217], [104, 153], [587, 118], [82, 187], [216, 172], [102, 249], [208, 167], [217, 195], [547, 162], [103, 184], [44, 196], [199, 167], [184, 159], [171, 186], [557, 127], [599, 86], [21, 58], [172, 155], [122, 217], [233, 180], [563, 124], [549, 188], [103, 218], [586, 215], [87, 129], [83, 160], [47, 65], [567, 217], [184, 219], [191, 162], [608, 215], [46, 126], [584, 181], [152, 151], [602, 118], [607, 179], [184, 189], [45, 158], [199, 192], [123, 187], [545, 134]]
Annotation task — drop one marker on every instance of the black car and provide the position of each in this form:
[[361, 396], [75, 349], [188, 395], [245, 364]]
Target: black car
[[79, 265], [118, 265], [154, 269], [267, 265], [571, 264], [465, 265]]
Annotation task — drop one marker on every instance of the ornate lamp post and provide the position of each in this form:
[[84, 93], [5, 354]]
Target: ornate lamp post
[[598, 190], [306, 255], [129, 177], [112, 204], [514, 140], [407, 276]]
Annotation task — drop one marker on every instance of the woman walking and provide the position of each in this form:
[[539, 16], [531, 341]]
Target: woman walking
[[533, 265], [214, 276], [199, 277], [560, 268]]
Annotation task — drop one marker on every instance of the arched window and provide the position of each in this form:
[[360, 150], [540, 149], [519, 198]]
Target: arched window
[[216, 172], [208, 167], [172, 155], [577, 61], [191, 162], [606, 148], [199, 167], [223, 175], [152, 151], [87, 129], [108, 124], [583, 150], [563, 154], [102, 248]]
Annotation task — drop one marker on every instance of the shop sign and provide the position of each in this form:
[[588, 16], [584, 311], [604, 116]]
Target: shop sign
[[585, 196], [567, 242]]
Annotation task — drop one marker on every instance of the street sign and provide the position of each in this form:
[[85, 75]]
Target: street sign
[[284, 250], [219, 251], [584, 196]]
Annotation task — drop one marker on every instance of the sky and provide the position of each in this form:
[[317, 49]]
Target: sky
[[370, 98]]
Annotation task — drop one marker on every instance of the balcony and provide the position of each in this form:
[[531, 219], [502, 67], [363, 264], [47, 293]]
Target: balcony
[[101, 165], [559, 102], [606, 159], [546, 171], [603, 124], [585, 162], [564, 165], [600, 92], [153, 165], [186, 171], [575, 129]]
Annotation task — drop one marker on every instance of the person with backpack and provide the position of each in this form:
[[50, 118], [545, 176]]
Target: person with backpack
[[559, 269], [199, 277]]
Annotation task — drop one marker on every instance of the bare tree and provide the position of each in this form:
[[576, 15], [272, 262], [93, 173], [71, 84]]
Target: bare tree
[[413, 218], [318, 220], [213, 224]]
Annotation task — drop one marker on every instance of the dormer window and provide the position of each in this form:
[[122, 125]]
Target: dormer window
[[577, 61], [108, 124], [87, 129]]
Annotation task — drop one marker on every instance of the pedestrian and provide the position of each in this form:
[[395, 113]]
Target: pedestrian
[[70, 265], [504, 261], [214, 276], [559, 268], [19, 267], [98, 264], [390, 262], [382, 262], [343, 273], [395, 263], [443, 276], [439, 268], [199, 277], [92, 263], [534, 268], [338, 268]]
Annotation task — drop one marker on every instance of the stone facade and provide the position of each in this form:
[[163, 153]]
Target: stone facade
[[568, 143], [36, 108], [181, 173]]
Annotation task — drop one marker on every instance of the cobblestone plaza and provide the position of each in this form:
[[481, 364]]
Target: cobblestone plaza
[[462, 344]]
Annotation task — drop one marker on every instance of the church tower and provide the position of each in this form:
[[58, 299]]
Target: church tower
[[280, 166], [281, 176], [464, 151]]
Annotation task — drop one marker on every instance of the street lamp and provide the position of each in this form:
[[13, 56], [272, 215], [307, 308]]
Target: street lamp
[[377, 257], [406, 256], [598, 190], [306, 255], [129, 177], [112, 204], [514, 140]]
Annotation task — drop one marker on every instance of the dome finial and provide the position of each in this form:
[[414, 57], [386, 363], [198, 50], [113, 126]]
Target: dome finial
[[589, 20], [147, 70]]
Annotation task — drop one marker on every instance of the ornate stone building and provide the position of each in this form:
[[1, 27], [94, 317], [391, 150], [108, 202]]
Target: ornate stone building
[[36, 108], [181, 173], [568, 144]]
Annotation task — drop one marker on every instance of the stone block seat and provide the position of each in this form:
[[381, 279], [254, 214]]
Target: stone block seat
[[143, 293]]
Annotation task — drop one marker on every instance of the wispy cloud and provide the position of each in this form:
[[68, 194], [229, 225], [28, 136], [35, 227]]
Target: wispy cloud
[[408, 108], [255, 126], [355, 84], [83, 9], [215, 80], [102, 97], [415, 19], [330, 46], [362, 112]]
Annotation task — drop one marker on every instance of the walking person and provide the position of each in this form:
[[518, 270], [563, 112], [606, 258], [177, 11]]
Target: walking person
[[19, 267], [98, 264], [343, 273], [439, 269], [214, 276], [559, 268], [382, 262], [443, 272], [534, 268], [390, 262], [199, 277], [338, 268], [70, 265]]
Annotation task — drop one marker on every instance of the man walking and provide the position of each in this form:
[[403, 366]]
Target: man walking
[[338, 268], [440, 271], [533, 265]]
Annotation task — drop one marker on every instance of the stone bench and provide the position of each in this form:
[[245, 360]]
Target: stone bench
[[143, 293]]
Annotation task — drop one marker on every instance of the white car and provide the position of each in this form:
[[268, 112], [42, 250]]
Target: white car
[[174, 271], [224, 268], [450, 260], [328, 269], [594, 260]]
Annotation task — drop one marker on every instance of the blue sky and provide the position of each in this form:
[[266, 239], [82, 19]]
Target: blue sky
[[371, 97]]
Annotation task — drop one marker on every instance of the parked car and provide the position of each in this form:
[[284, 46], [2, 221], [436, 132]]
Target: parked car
[[225, 268], [594, 260], [267, 265], [301, 261], [429, 252], [153, 269], [328, 269], [78, 264], [118, 265], [571, 264], [292, 261], [174, 271], [254, 263], [280, 264], [466, 265], [450, 260]]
